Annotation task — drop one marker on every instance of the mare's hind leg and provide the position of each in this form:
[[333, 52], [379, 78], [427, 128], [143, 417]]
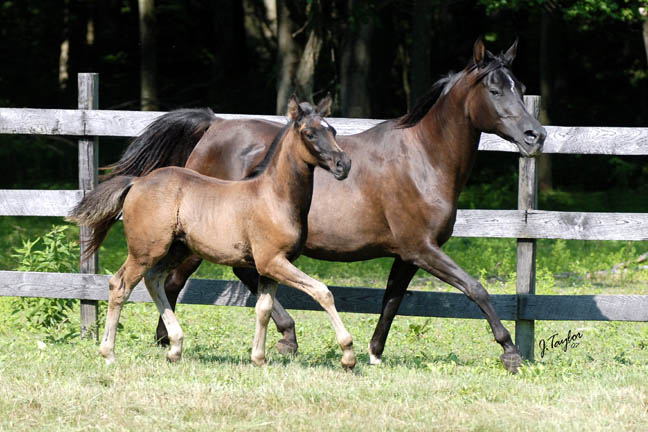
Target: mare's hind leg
[[284, 322], [172, 286], [435, 261], [265, 299], [399, 278], [282, 270], [121, 286]]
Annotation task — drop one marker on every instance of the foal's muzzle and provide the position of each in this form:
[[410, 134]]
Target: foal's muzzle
[[341, 166]]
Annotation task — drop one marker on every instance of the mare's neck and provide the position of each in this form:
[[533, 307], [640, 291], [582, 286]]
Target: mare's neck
[[449, 137]]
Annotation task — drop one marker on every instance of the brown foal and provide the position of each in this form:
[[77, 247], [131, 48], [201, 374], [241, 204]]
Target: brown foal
[[259, 223]]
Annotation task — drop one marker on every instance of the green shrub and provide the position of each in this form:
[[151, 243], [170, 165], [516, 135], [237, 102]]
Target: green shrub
[[52, 252]]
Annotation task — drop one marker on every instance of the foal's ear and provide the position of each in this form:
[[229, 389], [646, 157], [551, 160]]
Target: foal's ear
[[294, 110], [509, 55], [324, 106], [479, 52]]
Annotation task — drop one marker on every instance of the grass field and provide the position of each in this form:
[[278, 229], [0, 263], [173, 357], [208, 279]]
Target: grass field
[[438, 374]]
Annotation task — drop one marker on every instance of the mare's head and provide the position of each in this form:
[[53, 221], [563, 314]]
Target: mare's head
[[318, 136], [495, 103]]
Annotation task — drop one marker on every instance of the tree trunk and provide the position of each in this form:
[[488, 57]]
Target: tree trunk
[[287, 57], [354, 66], [545, 180], [305, 74], [64, 51], [421, 49], [644, 14], [148, 58]]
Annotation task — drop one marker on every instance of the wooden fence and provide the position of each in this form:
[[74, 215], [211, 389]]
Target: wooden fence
[[526, 224]]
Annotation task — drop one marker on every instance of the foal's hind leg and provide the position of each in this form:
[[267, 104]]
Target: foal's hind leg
[[282, 270], [121, 286], [265, 299], [154, 280], [172, 286], [284, 322]]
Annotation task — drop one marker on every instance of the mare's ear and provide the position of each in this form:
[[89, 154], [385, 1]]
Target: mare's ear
[[294, 110], [479, 52], [324, 106], [509, 55]]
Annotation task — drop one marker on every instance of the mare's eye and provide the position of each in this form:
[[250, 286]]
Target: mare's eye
[[494, 92]]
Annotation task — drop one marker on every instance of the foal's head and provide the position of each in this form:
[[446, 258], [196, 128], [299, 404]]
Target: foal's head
[[318, 136], [495, 103]]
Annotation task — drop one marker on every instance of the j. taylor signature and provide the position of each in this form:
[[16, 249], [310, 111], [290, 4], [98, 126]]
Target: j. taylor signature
[[555, 342]]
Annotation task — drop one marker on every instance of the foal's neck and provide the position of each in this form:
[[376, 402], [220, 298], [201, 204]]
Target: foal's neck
[[289, 174]]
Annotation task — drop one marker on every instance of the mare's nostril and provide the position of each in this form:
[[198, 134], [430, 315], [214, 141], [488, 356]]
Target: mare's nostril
[[531, 137]]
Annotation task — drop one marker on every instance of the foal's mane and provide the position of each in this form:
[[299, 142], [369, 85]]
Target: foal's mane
[[261, 167], [443, 86]]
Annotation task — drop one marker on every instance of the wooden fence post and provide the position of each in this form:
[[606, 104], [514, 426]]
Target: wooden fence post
[[88, 167], [526, 248]]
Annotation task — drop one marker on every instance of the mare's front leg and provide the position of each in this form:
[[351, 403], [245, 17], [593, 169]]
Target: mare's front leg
[[284, 322], [265, 299], [283, 271], [399, 278], [432, 259]]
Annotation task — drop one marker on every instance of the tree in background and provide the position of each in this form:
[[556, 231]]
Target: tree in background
[[148, 56]]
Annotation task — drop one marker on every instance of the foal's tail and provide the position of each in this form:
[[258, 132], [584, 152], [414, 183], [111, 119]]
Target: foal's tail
[[100, 209], [168, 141]]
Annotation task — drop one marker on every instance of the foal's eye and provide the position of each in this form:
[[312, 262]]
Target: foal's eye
[[310, 135]]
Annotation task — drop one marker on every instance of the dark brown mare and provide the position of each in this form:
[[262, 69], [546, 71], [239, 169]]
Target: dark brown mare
[[399, 201], [173, 213]]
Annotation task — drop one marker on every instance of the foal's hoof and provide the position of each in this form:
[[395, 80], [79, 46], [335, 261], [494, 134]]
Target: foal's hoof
[[374, 359], [286, 347], [173, 357], [511, 361], [348, 360], [258, 361]]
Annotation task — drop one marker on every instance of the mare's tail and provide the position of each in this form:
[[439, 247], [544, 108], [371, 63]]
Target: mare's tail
[[100, 209], [168, 141]]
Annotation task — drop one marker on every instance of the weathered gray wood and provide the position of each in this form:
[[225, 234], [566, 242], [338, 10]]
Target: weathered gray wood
[[470, 223], [550, 224], [88, 170], [347, 299], [560, 139], [526, 248], [584, 307], [233, 293], [18, 202]]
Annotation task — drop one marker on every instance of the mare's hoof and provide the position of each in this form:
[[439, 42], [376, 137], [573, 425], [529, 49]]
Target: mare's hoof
[[511, 361], [286, 348], [373, 358]]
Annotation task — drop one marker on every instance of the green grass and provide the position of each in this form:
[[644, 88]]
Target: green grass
[[438, 374]]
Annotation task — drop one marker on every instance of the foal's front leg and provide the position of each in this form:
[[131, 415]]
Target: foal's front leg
[[265, 299], [282, 270]]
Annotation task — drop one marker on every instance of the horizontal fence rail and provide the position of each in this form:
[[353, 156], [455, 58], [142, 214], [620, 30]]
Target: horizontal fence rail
[[347, 299], [525, 224], [108, 123]]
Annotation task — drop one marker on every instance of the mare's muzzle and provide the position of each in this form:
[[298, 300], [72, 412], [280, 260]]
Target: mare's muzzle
[[533, 139]]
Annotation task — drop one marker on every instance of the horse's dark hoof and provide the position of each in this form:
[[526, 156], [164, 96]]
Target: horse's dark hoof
[[286, 348], [511, 361]]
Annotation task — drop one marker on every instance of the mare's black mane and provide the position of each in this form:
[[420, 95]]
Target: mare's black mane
[[443, 86]]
